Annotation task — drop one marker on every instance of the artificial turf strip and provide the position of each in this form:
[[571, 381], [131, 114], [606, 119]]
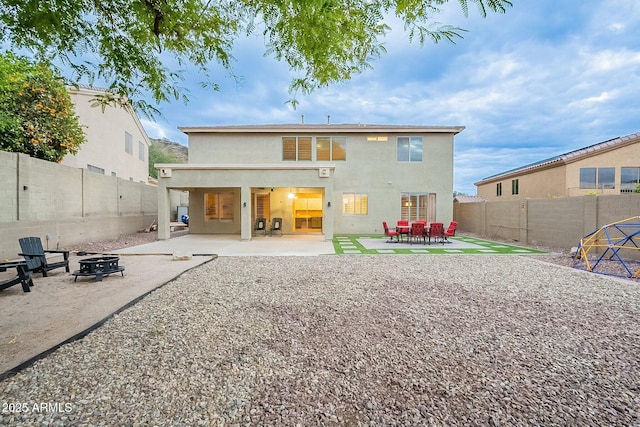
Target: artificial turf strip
[[349, 245]]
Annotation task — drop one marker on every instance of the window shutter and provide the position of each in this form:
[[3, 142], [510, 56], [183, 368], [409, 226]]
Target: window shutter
[[304, 148], [288, 149]]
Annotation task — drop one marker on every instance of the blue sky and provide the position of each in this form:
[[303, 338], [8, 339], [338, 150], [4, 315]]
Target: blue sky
[[545, 78]]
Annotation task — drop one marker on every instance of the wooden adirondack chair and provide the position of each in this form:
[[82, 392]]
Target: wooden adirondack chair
[[35, 256], [23, 275]]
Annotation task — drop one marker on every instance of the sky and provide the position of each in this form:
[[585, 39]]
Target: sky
[[545, 78]]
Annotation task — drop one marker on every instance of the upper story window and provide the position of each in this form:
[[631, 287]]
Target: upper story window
[[602, 178], [409, 149], [499, 189], [141, 152], [296, 148], [514, 187], [629, 179], [377, 138], [301, 148], [95, 169], [128, 142], [330, 148]]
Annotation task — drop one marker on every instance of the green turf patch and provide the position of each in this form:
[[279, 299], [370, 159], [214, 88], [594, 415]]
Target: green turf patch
[[352, 244]]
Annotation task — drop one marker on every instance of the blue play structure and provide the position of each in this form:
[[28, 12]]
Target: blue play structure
[[615, 246]]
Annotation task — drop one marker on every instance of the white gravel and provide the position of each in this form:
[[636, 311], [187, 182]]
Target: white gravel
[[352, 340]]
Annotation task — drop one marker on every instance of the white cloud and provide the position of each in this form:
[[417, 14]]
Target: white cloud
[[154, 129]]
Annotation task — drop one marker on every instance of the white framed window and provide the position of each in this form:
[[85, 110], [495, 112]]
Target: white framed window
[[331, 148], [355, 204], [95, 169], [629, 179], [128, 143], [141, 151], [418, 206], [602, 178], [218, 206], [409, 149], [296, 148]]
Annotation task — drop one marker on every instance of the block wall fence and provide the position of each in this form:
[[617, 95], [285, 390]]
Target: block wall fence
[[554, 222], [66, 206]]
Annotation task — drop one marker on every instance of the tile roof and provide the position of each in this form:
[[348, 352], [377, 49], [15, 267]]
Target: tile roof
[[468, 199]]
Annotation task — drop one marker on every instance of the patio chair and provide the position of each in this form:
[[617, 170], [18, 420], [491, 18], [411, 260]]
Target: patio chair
[[276, 225], [436, 232], [451, 231], [416, 233], [261, 225], [23, 275], [35, 256], [402, 227], [390, 233]]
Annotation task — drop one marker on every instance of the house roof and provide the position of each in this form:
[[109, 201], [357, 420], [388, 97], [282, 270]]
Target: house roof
[[319, 128], [568, 157]]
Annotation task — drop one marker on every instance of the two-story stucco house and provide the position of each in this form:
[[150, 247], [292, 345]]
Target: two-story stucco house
[[321, 179], [117, 144], [608, 167]]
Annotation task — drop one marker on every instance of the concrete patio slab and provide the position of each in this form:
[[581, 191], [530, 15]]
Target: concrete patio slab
[[232, 245]]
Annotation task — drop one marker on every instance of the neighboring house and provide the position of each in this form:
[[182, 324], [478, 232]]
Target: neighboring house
[[609, 167], [322, 179], [117, 144]]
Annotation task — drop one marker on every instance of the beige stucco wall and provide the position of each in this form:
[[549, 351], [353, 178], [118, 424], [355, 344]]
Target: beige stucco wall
[[105, 146], [545, 183], [370, 168]]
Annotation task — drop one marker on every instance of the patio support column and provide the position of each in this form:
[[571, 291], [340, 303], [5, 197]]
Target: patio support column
[[164, 226], [329, 215], [245, 213]]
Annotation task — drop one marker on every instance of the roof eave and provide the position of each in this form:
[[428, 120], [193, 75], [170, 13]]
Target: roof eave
[[319, 128]]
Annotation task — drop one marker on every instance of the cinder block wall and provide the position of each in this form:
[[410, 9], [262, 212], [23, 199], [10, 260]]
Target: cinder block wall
[[67, 206], [560, 222], [503, 219], [556, 222]]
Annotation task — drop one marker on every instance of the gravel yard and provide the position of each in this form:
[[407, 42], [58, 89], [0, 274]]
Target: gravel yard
[[352, 340]]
